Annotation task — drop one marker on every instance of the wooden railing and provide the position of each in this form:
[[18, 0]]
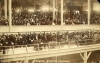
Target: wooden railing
[[48, 46]]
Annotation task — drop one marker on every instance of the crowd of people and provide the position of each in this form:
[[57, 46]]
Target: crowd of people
[[31, 19], [75, 19], [47, 19], [95, 19], [3, 21], [46, 37]]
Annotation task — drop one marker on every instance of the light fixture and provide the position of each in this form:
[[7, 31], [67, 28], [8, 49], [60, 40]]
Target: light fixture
[[30, 10], [45, 8]]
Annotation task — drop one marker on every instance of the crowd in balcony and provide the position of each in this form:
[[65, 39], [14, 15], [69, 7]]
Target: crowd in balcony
[[95, 19], [75, 19], [45, 37], [44, 19], [3, 21], [42, 39], [47, 19], [31, 19]]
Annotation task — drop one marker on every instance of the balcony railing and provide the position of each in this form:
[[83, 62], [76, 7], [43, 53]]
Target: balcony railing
[[31, 48]]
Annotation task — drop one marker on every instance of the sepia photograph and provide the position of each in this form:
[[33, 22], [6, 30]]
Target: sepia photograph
[[49, 31]]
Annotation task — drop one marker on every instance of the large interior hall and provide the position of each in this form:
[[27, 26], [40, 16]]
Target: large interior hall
[[49, 31]]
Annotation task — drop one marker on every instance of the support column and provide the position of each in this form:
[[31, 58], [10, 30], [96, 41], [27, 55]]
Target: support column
[[0, 9], [13, 49], [26, 59], [91, 5], [61, 14], [26, 49], [89, 11], [10, 15], [34, 4], [85, 56], [56, 59], [5, 8], [54, 9]]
